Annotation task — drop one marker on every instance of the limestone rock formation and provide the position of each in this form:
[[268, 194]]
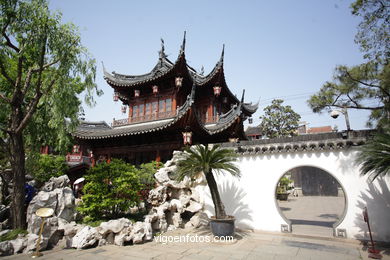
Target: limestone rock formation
[[57, 196], [174, 203], [85, 238], [56, 183], [114, 226], [6, 248]]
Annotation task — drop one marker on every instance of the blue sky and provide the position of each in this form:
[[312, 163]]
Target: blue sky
[[283, 48]]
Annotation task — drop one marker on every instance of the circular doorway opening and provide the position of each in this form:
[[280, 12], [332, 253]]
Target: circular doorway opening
[[311, 200]]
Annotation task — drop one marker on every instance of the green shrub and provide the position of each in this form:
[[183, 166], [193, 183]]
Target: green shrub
[[13, 234], [283, 185], [110, 190], [147, 171], [44, 166], [146, 174]]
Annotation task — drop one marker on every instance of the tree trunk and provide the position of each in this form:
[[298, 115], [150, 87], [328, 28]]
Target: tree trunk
[[218, 205], [18, 211]]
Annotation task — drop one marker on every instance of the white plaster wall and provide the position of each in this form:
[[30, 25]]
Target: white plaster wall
[[251, 199]]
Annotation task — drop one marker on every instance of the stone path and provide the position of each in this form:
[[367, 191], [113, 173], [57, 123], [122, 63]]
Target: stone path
[[313, 215], [252, 245]]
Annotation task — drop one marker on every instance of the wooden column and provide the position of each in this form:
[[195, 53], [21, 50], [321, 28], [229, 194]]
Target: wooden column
[[174, 103], [130, 112], [210, 111], [158, 157]]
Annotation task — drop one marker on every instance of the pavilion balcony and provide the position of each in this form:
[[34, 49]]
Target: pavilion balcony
[[144, 118]]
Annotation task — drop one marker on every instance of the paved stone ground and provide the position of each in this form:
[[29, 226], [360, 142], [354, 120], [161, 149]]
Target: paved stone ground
[[252, 245], [313, 215]]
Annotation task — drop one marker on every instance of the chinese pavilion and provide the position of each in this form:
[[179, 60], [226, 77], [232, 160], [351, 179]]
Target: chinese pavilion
[[171, 106]]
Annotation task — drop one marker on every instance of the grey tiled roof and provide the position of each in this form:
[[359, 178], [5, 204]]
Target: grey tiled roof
[[302, 143], [162, 67], [84, 133]]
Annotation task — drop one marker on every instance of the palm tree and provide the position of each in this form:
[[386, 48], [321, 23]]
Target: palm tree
[[374, 158], [199, 159]]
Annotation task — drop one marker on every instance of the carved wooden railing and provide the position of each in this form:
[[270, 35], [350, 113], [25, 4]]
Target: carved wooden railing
[[144, 118]]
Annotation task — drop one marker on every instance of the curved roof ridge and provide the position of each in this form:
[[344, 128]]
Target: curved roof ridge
[[224, 122], [250, 108], [163, 67], [201, 80]]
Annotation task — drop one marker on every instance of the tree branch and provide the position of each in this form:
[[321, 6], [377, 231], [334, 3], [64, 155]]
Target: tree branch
[[30, 111], [17, 95], [359, 107], [33, 104], [4, 73], [366, 84], [27, 82], [34, 70], [353, 101], [8, 40], [334, 102], [32, 107], [7, 100], [43, 67]]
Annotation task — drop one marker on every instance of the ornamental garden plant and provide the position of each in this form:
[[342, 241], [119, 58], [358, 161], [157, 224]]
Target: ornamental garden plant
[[200, 158], [111, 189]]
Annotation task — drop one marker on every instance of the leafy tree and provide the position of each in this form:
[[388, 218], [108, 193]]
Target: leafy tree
[[44, 166], [198, 159], [365, 86], [110, 190], [279, 120], [373, 31], [43, 67], [374, 157]]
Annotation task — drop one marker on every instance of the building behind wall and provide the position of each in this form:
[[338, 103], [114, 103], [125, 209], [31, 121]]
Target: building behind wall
[[312, 181]]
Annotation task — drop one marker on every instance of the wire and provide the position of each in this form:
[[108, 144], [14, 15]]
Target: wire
[[288, 97]]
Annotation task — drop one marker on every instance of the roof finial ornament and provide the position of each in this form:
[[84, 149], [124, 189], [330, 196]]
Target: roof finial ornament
[[243, 94], [161, 52], [162, 45], [201, 71], [183, 46], [104, 69], [222, 54]]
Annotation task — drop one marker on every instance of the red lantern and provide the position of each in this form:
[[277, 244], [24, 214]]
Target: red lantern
[[178, 81], [155, 89], [116, 96], [76, 148], [136, 93], [187, 138], [217, 90], [124, 109]]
